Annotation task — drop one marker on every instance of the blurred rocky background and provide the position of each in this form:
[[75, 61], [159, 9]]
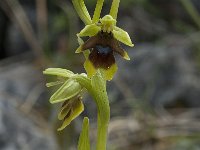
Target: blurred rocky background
[[154, 98]]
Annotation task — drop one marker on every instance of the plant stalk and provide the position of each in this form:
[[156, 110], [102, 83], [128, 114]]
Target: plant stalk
[[101, 135], [100, 96]]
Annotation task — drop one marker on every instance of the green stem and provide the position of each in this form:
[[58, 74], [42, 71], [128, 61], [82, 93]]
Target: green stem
[[100, 95], [97, 88], [102, 128]]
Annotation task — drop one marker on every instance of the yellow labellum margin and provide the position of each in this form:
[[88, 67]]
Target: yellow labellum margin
[[91, 70]]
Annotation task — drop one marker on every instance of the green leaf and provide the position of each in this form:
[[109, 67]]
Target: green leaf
[[82, 11], [90, 30], [58, 72], [122, 36], [84, 140], [68, 90]]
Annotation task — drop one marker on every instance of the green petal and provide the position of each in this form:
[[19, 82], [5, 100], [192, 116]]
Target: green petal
[[80, 40], [85, 52], [126, 56], [115, 45], [90, 30], [84, 140], [68, 90], [122, 36], [76, 109], [97, 11], [114, 8], [59, 72], [79, 49]]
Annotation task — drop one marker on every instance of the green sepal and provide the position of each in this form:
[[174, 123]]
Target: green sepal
[[84, 140], [90, 30], [68, 90], [59, 72], [122, 36]]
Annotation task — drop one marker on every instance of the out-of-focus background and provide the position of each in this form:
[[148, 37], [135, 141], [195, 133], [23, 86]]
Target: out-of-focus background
[[154, 98]]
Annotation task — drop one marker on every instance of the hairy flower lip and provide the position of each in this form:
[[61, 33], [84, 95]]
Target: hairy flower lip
[[102, 47], [102, 57], [106, 40]]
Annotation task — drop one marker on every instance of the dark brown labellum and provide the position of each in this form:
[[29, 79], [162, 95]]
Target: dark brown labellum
[[102, 57]]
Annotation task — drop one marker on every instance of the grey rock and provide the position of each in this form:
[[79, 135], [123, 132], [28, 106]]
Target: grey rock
[[163, 74], [19, 131]]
